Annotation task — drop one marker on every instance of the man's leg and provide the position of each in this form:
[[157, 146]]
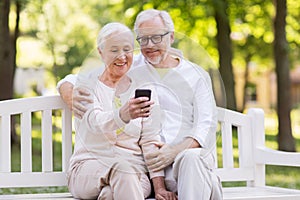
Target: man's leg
[[195, 179], [171, 183]]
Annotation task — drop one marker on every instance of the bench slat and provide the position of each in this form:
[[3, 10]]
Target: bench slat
[[32, 104], [47, 149], [50, 196], [235, 174], [26, 148], [260, 193], [258, 139], [5, 140], [245, 145], [227, 147], [66, 138], [275, 157], [32, 179], [231, 193], [232, 117]]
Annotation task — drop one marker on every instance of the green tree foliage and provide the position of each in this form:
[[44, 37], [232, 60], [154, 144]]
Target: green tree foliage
[[191, 18], [67, 34], [293, 31], [252, 36], [68, 30]]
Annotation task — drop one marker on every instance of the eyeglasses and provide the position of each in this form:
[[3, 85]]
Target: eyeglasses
[[155, 39]]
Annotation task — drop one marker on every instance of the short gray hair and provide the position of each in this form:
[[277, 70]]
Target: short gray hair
[[110, 28], [151, 14]]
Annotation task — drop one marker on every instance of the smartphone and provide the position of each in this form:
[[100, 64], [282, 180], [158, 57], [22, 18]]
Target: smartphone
[[143, 93]]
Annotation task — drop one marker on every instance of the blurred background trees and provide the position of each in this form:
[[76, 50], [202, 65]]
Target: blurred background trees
[[240, 36]]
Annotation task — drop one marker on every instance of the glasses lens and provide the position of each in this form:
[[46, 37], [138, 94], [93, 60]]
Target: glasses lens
[[156, 39], [143, 40]]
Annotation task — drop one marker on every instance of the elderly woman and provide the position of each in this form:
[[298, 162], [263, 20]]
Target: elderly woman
[[107, 162]]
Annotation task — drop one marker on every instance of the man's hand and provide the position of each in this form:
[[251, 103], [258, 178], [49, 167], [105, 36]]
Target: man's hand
[[161, 158], [74, 97], [163, 194], [66, 93], [80, 96], [166, 155]]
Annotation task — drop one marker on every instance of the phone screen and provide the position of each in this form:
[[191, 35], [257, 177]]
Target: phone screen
[[143, 93]]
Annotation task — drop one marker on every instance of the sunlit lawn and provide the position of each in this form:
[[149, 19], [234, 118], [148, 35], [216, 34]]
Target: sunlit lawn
[[288, 177]]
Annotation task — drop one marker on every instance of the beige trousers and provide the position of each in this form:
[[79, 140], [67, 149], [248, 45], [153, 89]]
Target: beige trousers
[[191, 176], [91, 179]]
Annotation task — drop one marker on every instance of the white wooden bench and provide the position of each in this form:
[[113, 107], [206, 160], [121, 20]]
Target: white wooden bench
[[252, 153]]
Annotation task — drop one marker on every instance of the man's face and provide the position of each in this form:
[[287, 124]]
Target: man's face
[[154, 40]]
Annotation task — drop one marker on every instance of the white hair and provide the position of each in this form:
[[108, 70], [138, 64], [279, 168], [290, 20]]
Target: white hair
[[151, 14], [109, 29]]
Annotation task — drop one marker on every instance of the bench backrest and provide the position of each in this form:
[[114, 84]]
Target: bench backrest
[[54, 114], [23, 109], [238, 159]]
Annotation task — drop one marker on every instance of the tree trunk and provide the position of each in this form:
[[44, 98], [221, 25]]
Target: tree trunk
[[225, 51], [15, 37], [285, 139], [8, 57], [6, 54]]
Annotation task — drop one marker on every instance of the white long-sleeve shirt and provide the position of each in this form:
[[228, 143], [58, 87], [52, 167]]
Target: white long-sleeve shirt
[[185, 97], [102, 135]]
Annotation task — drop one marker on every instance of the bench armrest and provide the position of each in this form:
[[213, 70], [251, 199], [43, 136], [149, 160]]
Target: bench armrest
[[265, 155]]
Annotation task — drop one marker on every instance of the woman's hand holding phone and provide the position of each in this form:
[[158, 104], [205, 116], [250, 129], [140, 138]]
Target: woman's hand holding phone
[[137, 107]]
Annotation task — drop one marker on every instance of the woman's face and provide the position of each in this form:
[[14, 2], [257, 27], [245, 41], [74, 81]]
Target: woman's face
[[117, 53]]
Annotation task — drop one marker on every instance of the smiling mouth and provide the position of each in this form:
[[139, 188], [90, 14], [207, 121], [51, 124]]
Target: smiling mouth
[[120, 64], [152, 51]]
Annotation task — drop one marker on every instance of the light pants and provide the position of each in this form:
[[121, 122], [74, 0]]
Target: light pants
[[92, 179], [192, 178]]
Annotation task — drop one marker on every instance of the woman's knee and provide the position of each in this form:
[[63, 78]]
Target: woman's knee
[[83, 181], [123, 167]]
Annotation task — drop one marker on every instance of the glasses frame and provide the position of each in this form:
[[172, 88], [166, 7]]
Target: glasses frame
[[138, 39]]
